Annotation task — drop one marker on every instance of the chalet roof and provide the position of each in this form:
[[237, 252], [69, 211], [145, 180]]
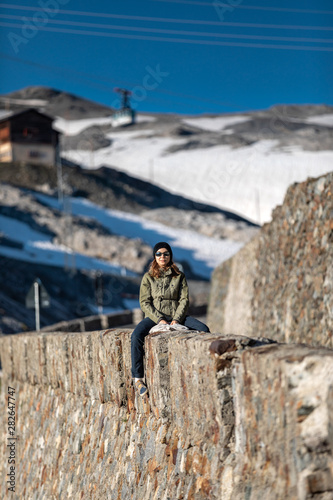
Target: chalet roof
[[11, 115]]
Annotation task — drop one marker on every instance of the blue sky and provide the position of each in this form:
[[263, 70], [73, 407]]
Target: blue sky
[[89, 48]]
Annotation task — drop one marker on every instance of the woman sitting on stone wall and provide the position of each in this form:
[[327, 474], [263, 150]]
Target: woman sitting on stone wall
[[164, 300]]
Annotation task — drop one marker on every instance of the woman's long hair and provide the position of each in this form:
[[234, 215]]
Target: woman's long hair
[[155, 270]]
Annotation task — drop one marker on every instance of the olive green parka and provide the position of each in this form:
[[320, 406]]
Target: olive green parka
[[165, 297]]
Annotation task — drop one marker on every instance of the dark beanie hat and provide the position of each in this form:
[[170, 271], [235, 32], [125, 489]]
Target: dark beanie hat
[[163, 244]]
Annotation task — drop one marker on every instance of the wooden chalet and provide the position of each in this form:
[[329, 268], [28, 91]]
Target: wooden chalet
[[28, 137]]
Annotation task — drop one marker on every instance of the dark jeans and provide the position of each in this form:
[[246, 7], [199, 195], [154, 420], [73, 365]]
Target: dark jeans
[[138, 340]]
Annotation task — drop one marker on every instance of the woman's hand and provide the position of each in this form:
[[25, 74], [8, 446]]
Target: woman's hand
[[163, 322], [174, 322]]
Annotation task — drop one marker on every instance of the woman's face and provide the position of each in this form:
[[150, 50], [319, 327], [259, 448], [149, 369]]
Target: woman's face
[[162, 257]]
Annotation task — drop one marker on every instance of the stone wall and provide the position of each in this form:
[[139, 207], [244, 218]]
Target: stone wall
[[228, 417], [97, 322], [124, 318], [282, 281]]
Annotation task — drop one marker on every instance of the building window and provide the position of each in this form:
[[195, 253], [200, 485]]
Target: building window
[[37, 154]]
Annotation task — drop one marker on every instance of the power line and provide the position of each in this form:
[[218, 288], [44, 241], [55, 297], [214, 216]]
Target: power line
[[54, 69], [172, 20], [175, 40], [82, 77], [177, 32], [247, 7]]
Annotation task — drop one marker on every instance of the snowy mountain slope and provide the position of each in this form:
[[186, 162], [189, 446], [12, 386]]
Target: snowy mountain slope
[[240, 163], [110, 188], [34, 246], [250, 181], [203, 254], [71, 236], [34, 228]]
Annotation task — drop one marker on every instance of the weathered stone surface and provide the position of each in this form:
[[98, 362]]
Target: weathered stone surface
[[230, 307], [282, 281], [216, 313], [227, 417], [282, 422]]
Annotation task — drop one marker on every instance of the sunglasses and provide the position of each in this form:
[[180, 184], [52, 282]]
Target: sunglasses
[[159, 254]]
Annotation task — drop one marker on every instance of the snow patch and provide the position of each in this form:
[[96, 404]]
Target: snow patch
[[144, 118], [73, 127], [217, 123], [249, 181], [321, 120]]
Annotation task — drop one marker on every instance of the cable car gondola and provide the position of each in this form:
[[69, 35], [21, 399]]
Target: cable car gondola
[[125, 115]]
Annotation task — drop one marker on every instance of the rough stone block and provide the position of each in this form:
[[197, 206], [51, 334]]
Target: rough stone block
[[19, 356], [80, 364], [158, 372], [6, 356], [125, 336], [194, 410], [35, 358], [281, 282], [282, 420], [56, 359], [232, 290], [108, 366]]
